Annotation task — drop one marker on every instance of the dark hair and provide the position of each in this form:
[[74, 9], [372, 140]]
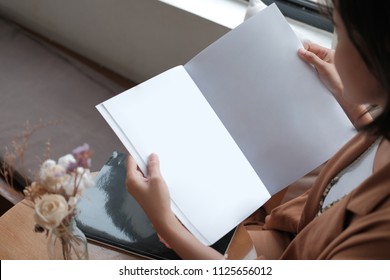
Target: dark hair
[[367, 25]]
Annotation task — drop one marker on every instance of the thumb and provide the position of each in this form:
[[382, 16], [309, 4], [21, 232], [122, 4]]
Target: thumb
[[154, 166]]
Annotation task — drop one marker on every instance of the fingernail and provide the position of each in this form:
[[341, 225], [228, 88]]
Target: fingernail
[[153, 156]]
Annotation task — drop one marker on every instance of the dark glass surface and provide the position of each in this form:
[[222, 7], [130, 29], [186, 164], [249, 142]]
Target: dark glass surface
[[109, 214]]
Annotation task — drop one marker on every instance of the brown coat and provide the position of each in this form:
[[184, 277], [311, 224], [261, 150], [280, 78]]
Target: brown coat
[[357, 227]]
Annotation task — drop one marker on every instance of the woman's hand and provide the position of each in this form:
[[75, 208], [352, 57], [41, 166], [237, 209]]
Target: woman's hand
[[152, 194], [151, 191], [323, 61]]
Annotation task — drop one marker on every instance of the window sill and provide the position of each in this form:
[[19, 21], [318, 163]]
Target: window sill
[[228, 13], [231, 13]]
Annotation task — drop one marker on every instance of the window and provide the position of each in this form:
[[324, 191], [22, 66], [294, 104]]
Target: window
[[307, 11]]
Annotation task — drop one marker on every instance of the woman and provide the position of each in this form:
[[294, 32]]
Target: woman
[[346, 213]]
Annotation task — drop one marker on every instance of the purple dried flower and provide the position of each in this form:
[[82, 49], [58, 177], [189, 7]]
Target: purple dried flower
[[81, 149], [82, 154]]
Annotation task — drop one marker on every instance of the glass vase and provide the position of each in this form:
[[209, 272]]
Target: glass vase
[[67, 242]]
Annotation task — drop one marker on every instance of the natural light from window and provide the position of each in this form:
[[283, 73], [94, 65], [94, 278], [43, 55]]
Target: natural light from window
[[229, 13]]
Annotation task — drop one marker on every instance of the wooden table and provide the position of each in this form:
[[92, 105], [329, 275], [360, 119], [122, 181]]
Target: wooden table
[[18, 241]]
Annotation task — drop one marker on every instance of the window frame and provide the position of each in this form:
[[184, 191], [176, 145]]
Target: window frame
[[304, 11]]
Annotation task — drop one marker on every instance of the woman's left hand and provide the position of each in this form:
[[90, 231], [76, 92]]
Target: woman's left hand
[[323, 60]]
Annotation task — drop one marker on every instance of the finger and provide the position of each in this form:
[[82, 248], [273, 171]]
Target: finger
[[312, 58], [131, 166], [318, 50], [154, 166], [313, 47], [306, 44], [133, 175]]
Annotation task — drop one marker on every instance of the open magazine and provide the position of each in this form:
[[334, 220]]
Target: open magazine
[[233, 126]]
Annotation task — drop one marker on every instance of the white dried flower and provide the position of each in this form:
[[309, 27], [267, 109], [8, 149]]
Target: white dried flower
[[88, 179], [48, 164], [52, 175], [67, 161], [50, 210], [68, 185], [80, 170]]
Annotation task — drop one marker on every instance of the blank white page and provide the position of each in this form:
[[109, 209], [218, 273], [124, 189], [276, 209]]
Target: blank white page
[[273, 104], [212, 185]]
